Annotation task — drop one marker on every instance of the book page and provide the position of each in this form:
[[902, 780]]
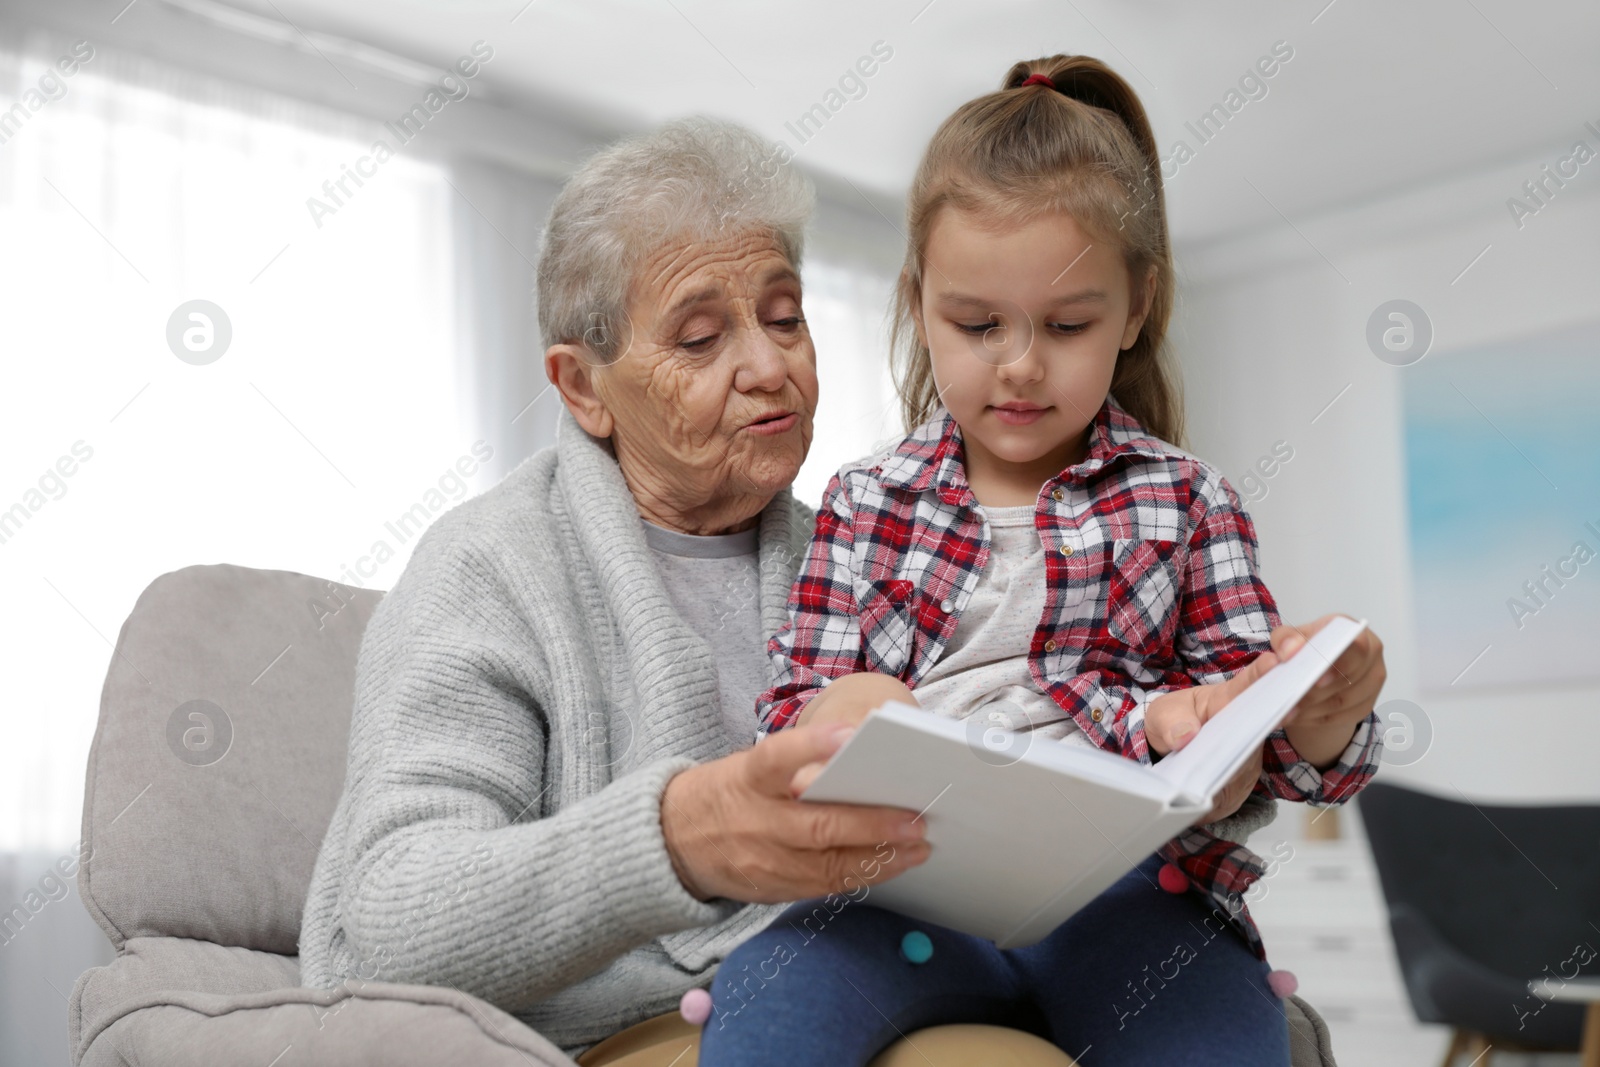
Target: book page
[[1021, 838], [1223, 744], [890, 736]]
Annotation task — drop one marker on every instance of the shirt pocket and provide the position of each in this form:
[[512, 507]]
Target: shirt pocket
[[1142, 594], [888, 623]]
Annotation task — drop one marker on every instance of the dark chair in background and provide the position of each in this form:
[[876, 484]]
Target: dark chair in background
[[1484, 899]]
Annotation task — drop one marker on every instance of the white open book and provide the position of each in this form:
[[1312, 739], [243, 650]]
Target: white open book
[[1024, 838]]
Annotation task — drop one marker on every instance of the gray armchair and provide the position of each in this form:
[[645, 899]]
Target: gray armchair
[[201, 833], [215, 768]]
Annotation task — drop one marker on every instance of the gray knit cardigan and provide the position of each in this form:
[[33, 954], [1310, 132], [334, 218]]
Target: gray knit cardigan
[[522, 696]]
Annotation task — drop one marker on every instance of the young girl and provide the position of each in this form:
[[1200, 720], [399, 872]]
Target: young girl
[[1035, 555]]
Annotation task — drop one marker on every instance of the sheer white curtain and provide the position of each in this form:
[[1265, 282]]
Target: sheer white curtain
[[372, 347], [846, 306], [499, 213], [332, 410]]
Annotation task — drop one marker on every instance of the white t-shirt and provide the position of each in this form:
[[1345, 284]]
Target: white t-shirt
[[983, 670]]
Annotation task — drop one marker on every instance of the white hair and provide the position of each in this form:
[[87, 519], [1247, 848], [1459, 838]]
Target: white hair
[[693, 179]]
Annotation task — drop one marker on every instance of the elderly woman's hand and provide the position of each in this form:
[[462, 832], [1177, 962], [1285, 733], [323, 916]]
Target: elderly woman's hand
[[734, 828]]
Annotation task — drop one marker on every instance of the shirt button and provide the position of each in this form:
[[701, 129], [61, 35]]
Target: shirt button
[[1050, 646], [947, 606], [1066, 549], [1057, 494], [1095, 715]]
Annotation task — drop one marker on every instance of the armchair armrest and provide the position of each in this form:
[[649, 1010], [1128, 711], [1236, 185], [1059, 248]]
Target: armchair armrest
[[188, 1003]]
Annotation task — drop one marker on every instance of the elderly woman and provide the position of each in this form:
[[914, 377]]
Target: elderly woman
[[552, 799]]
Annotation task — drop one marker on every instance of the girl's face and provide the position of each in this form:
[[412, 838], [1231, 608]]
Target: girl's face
[[1024, 324]]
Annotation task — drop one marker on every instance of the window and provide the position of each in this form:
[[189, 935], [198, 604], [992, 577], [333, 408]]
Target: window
[[363, 328], [857, 412], [331, 412]]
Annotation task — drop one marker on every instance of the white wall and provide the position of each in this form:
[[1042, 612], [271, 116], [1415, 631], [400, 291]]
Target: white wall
[[1271, 327]]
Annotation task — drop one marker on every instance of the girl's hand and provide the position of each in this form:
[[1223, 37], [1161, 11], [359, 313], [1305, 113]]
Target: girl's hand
[[1321, 725], [1233, 795], [1173, 718], [847, 699]]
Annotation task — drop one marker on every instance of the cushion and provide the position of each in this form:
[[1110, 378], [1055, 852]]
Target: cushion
[[145, 1008], [219, 755], [668, 1041], [960, 1044]]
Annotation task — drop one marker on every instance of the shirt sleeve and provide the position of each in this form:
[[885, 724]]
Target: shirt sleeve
[[821, 640], [1228, 618], [1127, 728], [1227, 613], [1293, 778]]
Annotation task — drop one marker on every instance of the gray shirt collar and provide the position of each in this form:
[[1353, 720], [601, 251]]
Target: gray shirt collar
[[701, 546]]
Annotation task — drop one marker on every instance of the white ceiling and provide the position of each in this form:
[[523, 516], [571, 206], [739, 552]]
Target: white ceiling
[[1380, 98]]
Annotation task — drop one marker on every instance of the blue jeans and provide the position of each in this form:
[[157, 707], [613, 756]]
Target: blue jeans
[[1140, 976]]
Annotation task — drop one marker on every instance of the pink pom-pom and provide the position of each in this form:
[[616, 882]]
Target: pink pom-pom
[[1172, 879], [695, 1007], [1283, 983]]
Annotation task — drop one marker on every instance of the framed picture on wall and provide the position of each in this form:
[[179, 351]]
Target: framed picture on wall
[[1502, 453]]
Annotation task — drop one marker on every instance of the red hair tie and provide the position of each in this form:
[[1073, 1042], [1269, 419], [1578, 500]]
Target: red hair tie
[[1038, 79]]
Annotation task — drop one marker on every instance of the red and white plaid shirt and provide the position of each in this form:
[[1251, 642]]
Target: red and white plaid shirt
[[1151, 586]]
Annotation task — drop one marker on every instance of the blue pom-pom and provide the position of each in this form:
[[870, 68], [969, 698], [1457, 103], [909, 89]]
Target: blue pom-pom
[[916, 947]]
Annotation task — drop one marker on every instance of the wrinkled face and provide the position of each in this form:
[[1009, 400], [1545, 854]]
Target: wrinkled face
[[715, 388], [1024, 324]]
